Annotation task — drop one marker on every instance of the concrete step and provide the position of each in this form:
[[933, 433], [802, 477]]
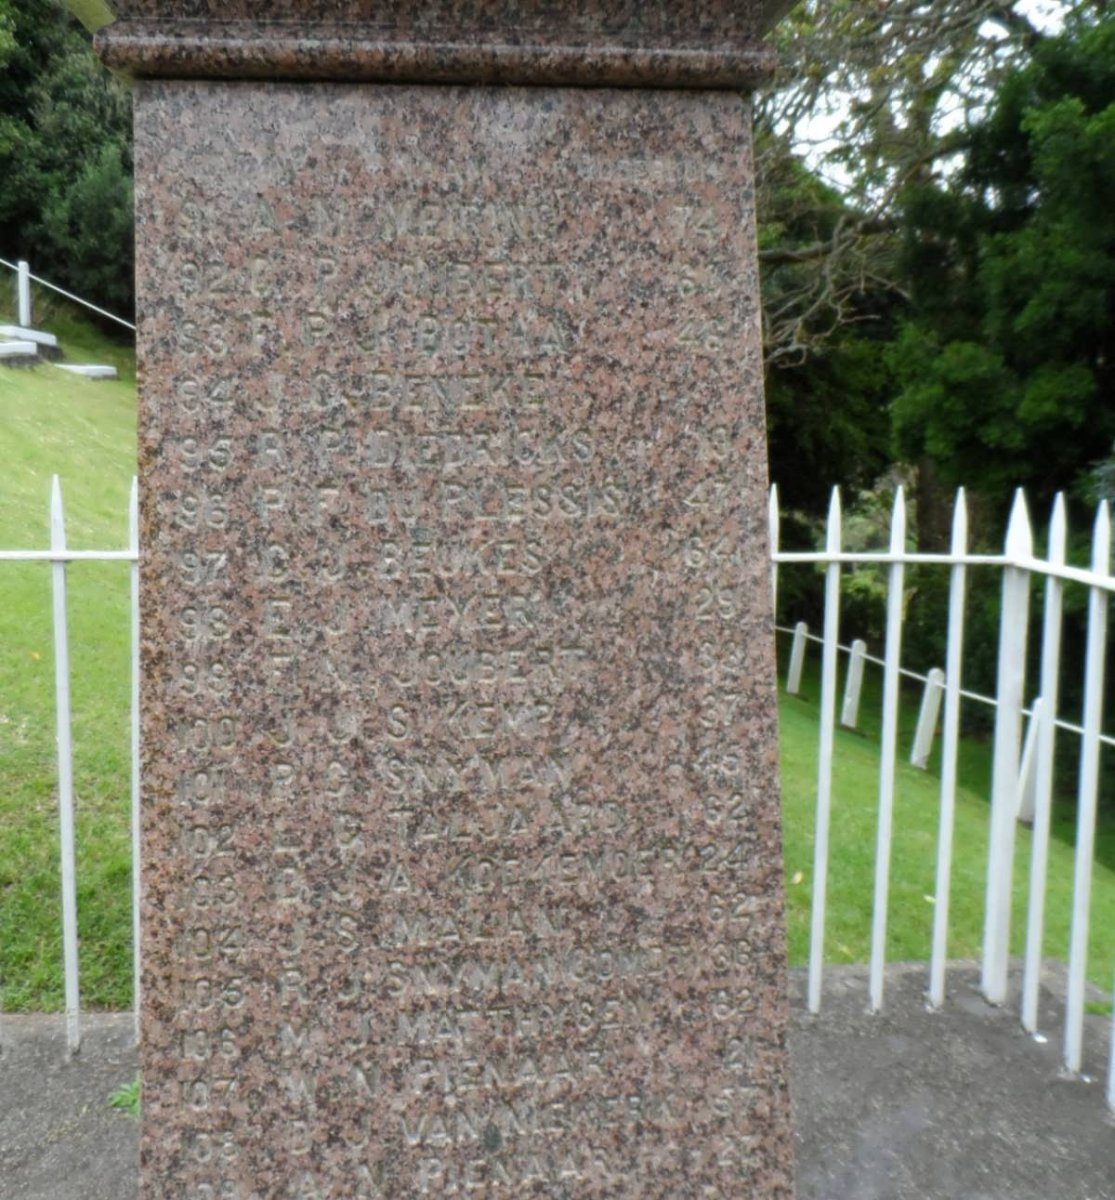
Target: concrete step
[[14, 353], [19, 334], [88, 370]]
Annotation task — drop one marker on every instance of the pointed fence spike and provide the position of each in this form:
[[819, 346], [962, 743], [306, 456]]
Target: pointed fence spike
[[960, 523], [1020, 537], [832, 530], [1101, 538], [898, 522], [1058, 529]]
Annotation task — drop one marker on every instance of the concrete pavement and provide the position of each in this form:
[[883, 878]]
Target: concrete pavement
[[902, 1105]]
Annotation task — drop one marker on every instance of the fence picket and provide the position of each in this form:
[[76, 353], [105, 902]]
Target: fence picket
[[853, 684], [1021, 787], [1089, 790], [1043, 768], [889, 750], [65, 770], [928, 714], [797, 658], [1014, 621], [950, 745], [824, 755], [23, 294], [774, 530], [133, 546]]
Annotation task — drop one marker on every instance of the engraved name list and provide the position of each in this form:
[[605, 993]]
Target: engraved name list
[[469, 845]]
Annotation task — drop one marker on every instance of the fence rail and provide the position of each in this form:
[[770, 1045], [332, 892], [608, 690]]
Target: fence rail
[[24, 280], [1022, 776], [59, 555], [1022, 773]]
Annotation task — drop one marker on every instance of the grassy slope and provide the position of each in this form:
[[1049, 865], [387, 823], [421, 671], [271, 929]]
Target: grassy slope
[[913, 864], [85, 431]]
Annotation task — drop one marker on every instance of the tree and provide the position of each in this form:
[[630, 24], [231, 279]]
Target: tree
[[828, 388], [1006, 364], [65, 154], [876, 94]]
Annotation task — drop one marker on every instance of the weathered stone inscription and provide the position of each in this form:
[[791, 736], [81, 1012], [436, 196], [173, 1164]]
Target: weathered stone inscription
[[462, 816]]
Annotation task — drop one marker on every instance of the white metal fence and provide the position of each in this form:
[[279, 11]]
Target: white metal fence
[[59, 555], [1022, 778], [1022, 774]]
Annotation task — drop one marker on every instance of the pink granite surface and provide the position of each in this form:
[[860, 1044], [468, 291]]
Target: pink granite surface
[[658, 43], [461, 831]]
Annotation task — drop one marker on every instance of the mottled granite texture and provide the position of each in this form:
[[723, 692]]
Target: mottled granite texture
[[460, 828], [657, 43]]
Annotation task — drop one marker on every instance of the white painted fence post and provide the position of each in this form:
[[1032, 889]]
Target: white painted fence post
[[928, 714], [830, 646], [133, 546], [1013, 622], [1027, 768], [797, 658], [23, 293], [950, 744], [65, 771], [853, 685], [775, 532], [1043, 775], [1095, 653], [888, 757]]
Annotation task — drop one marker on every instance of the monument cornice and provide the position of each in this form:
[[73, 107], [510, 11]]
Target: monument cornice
[[694, 44]]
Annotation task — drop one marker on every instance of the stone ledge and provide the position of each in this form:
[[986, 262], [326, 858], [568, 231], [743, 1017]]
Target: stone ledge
[[295, 51], [19, 333], [88, 370]]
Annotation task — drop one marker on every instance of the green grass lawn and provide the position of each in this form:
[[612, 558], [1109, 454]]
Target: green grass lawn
[[914, 852], [85, 431]]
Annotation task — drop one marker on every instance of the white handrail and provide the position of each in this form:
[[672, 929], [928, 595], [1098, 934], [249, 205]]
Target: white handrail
[[70, 296]]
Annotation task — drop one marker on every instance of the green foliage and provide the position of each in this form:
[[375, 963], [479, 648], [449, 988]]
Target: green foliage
[[85, 431], [127, 1097], [827, 385], [913, 857], [1006, 365], [89, 228], [7, 31], [65, 155], [827, 420]]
